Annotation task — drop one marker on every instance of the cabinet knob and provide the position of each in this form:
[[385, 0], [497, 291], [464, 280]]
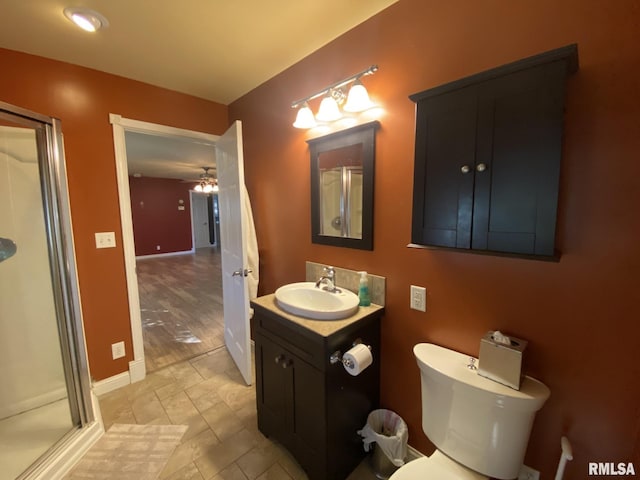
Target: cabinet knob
[[481, 167], [286, 363], [279, 359], [465, 169]]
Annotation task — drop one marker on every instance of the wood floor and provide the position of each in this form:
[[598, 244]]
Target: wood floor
[[181, 306]]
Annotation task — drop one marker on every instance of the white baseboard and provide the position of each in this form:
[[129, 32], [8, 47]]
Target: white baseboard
[[137, 371], [112, 383], [412, 453]]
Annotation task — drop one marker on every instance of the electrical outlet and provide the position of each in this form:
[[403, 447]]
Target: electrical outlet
[[117, 350], [419, 298], [105, 240], [528, 473]]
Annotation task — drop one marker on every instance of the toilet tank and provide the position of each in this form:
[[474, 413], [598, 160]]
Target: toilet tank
[[479, 423]]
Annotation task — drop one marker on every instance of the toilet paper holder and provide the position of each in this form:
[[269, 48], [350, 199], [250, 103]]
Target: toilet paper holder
[[336, 357]]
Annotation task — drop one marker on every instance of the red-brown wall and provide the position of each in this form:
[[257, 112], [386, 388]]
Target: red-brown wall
[[83, 99], [580, 315], [159, 225]]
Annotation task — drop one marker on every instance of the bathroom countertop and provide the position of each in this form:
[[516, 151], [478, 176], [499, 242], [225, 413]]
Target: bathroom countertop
[[324, 328]]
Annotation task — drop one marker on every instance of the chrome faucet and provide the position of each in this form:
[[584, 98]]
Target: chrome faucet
[[328, 279]]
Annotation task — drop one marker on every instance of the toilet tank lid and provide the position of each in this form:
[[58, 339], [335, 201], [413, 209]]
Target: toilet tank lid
[[453, 364]]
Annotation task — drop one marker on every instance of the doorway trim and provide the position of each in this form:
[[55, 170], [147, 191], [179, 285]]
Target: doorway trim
[[137, 369]]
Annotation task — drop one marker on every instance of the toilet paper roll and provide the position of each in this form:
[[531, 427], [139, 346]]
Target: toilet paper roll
[[357, 359]]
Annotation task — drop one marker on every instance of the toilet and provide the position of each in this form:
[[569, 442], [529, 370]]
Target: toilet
[[480, 427]]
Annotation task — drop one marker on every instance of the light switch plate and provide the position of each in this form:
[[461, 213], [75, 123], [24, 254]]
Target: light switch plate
[[117, 350]]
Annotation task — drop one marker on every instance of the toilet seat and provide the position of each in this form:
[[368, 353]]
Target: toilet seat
[[437, 467]]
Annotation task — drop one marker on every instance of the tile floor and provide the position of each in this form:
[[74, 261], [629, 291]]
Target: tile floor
[[223, 442]]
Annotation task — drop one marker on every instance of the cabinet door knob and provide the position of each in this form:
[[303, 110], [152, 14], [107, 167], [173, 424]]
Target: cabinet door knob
[[279, 359], [287, 363], [481, 167], [465, 169]]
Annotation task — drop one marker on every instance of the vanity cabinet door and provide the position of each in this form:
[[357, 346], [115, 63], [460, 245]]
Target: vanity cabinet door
[[274, 389], [291, 403]]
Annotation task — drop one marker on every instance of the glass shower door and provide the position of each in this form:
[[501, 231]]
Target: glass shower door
[[38, 406]]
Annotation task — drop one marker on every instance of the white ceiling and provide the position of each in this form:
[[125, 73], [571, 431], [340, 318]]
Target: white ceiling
[[168, 157], [214, 49]]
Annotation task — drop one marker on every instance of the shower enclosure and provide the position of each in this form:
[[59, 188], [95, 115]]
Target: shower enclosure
[[45, 403]]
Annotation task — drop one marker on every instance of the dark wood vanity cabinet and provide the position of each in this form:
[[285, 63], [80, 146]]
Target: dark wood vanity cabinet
[[312, 407], [487, 158]]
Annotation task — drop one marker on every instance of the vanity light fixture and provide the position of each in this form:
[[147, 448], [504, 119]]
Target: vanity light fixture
[[357, 100], [87, 19]]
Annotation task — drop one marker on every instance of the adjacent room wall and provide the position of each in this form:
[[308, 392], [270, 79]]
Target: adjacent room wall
[[83, 99], [161, 214], [579, 314]]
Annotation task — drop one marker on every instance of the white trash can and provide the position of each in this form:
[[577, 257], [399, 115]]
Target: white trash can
[[387, 434]]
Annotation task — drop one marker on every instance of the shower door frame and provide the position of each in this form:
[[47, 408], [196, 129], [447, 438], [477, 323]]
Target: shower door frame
[[57, 213]]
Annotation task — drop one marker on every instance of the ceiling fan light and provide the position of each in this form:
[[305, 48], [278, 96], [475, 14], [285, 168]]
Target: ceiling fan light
[[358, 99], [208, 188], [329, 110], [198, 188]]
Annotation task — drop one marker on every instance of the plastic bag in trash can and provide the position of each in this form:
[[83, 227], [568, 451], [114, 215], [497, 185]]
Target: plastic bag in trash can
[[388, 430]]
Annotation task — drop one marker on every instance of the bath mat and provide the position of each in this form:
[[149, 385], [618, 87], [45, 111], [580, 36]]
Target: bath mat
[[129, 452]]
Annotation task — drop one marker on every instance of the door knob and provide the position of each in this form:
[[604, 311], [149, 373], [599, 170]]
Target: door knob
[[242, 273], [465, 169], [481, 167]]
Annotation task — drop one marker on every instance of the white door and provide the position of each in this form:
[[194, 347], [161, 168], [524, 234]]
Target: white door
[[200, 219], [233, 228]]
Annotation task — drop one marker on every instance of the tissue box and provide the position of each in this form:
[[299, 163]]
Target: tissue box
[[502, 362]]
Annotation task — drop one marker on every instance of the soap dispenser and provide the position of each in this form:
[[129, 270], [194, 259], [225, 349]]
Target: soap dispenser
[[363, 290]]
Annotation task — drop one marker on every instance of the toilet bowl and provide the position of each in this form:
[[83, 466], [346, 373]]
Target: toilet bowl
[[480, 428]]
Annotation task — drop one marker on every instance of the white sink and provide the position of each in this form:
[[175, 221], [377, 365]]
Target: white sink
[[306, 300]]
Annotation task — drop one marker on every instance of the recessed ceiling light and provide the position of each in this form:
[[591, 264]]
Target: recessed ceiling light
[[86, 19]]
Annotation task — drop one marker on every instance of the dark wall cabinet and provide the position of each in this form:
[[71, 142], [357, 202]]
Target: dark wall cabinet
[[312, 407], [487, 158]]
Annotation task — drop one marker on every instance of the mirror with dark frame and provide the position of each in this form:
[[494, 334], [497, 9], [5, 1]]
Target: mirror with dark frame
[[342, 174]]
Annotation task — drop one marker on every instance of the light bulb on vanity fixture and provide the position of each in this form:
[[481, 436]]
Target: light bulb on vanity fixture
[[305, 118], [333, 96], [358, 99], [329, 110]]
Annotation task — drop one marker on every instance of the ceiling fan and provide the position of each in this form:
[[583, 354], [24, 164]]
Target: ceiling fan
[[208, 184]]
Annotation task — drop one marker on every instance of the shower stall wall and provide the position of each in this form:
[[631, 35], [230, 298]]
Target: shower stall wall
[[45, 401]]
